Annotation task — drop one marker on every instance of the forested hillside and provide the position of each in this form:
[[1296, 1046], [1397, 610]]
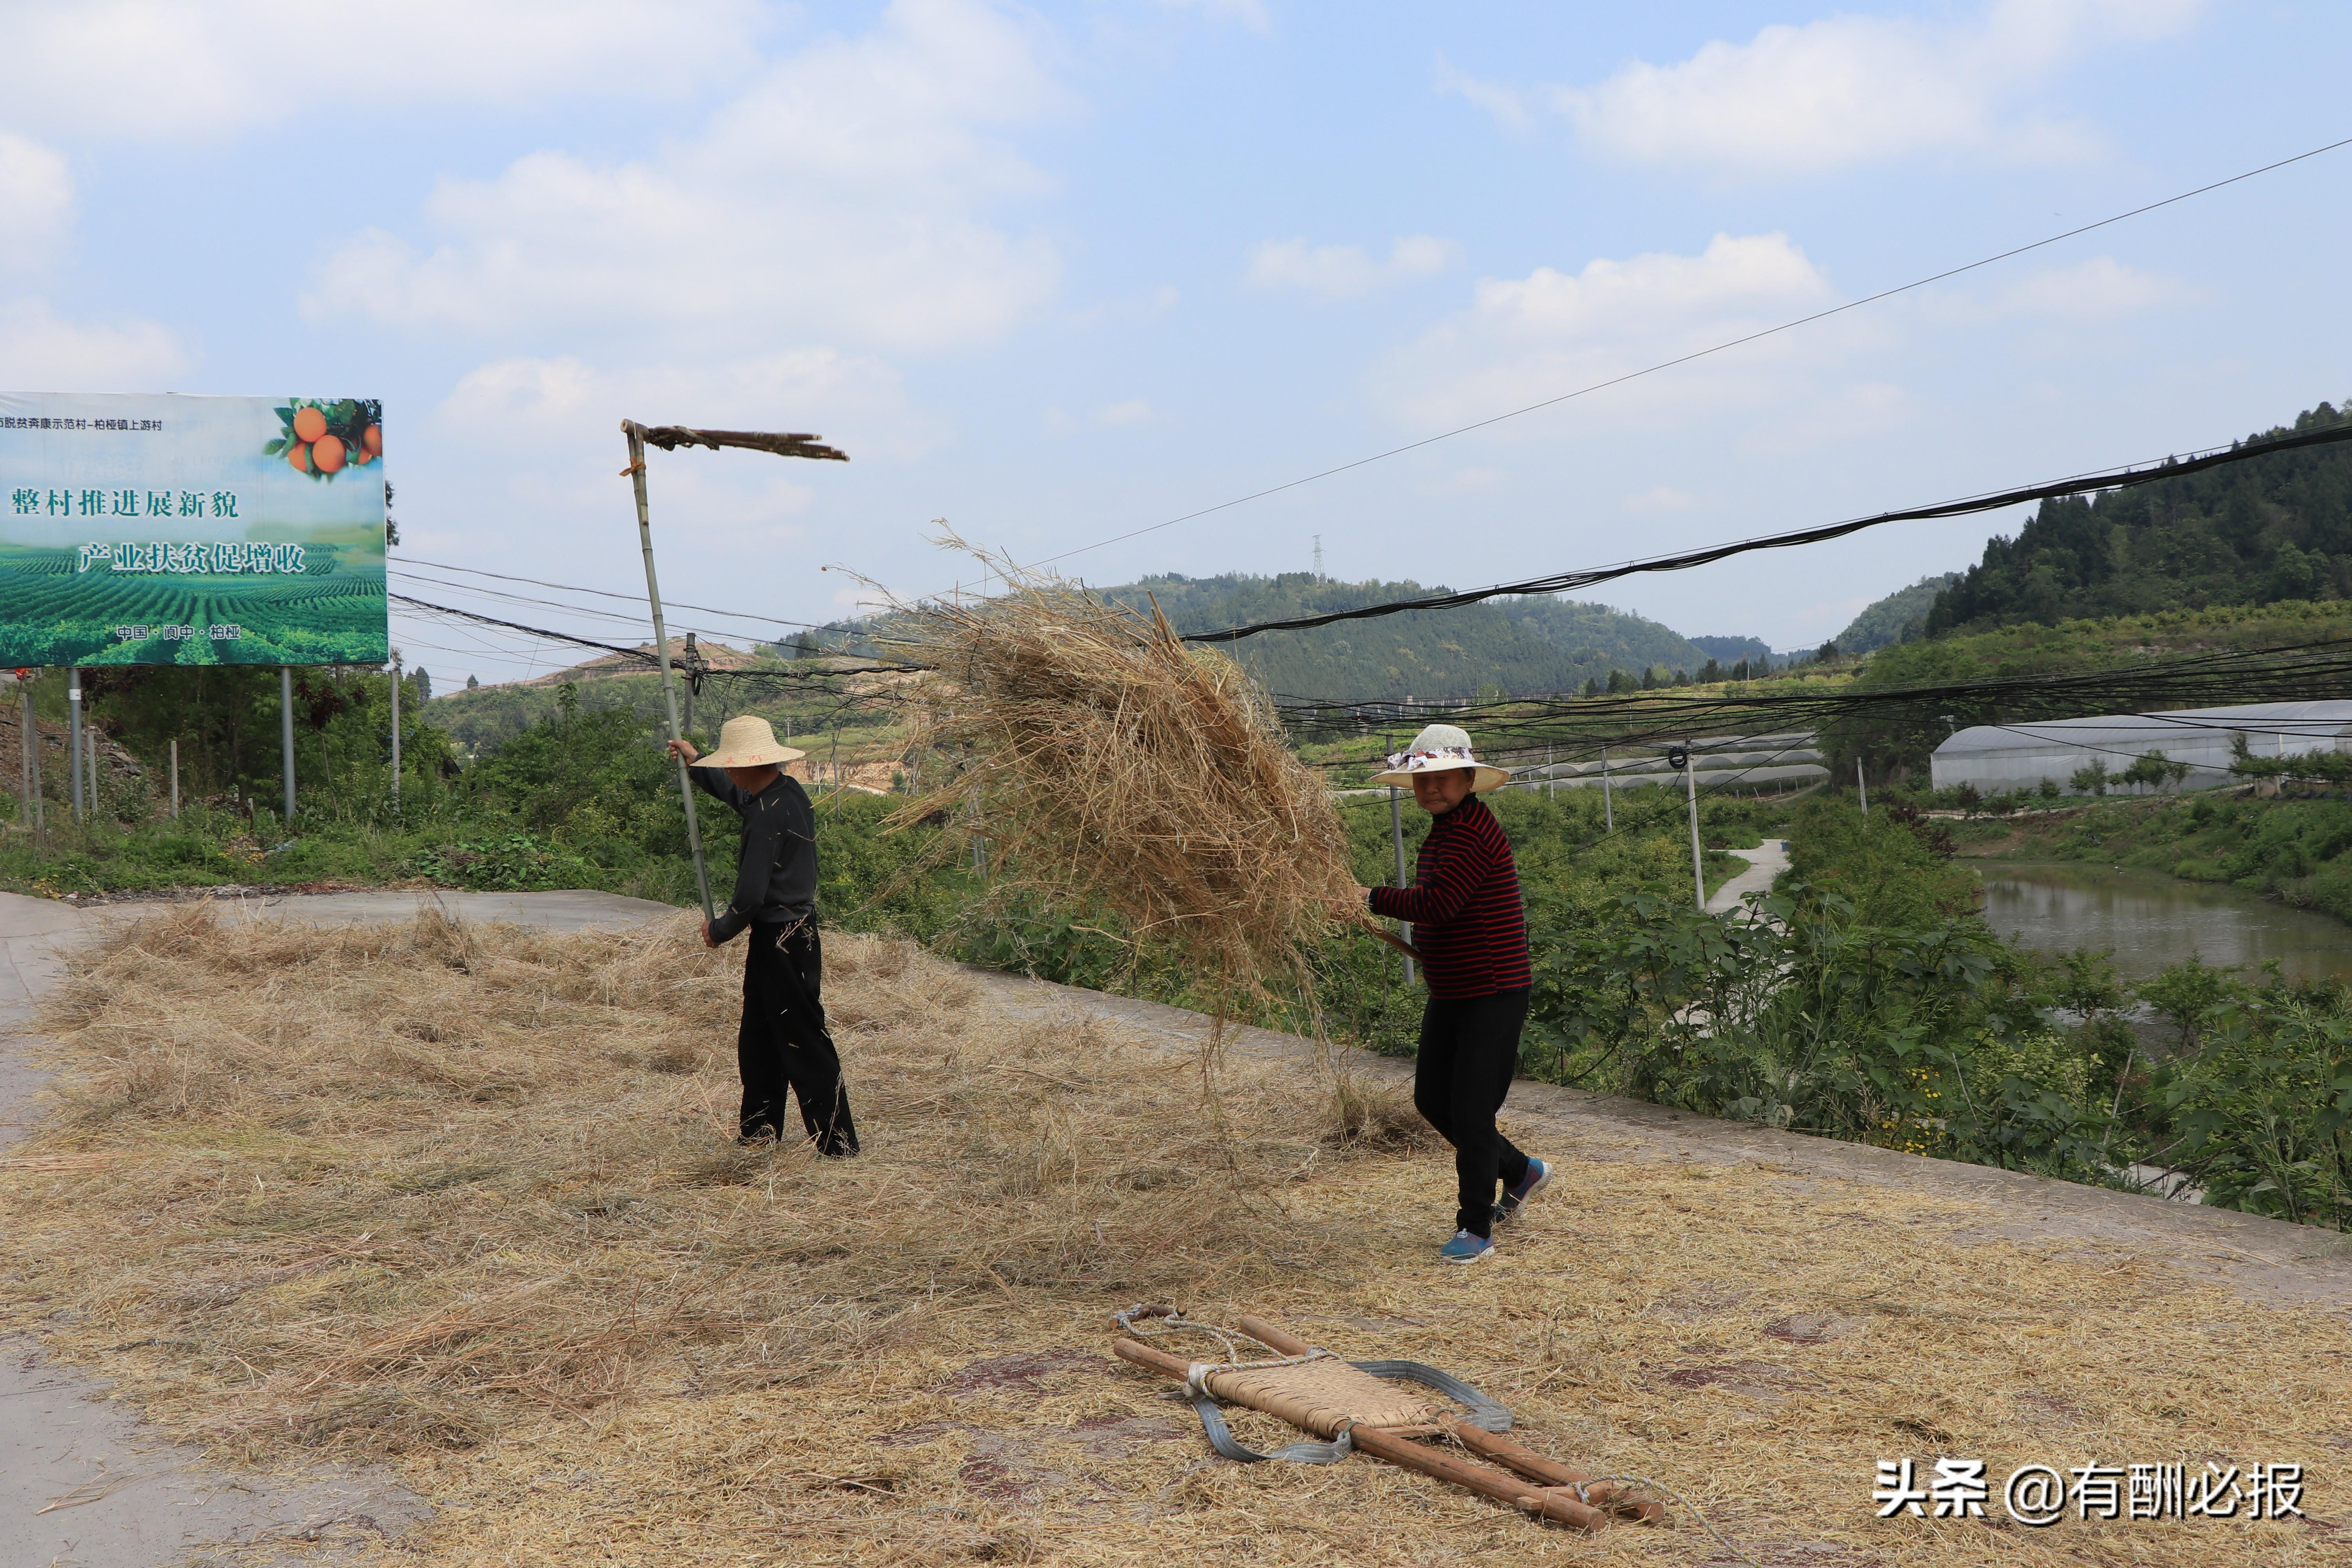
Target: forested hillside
[[2271, 529], [1528, 644], [1901, 616]]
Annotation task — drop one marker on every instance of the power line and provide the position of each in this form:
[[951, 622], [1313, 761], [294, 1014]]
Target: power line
[[1700, 353], [2113, 479], [608, 593]]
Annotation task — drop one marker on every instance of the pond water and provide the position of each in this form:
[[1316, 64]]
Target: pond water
[[2149, 920]]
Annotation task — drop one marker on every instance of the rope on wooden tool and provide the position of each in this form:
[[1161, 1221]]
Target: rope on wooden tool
[[1315, 1390]]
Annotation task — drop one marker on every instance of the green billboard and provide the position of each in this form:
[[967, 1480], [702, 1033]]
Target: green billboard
[[178, 530]]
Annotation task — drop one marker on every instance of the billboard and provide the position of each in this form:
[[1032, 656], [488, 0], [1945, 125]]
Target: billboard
[[177, 529]]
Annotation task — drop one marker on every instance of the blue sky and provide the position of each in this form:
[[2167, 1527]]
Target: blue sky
[[1061, 273]]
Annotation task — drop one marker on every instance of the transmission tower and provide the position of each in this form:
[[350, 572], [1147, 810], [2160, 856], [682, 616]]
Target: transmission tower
[[1318, 558]]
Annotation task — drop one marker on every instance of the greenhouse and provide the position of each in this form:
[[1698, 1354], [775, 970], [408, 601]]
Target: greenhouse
[[2198, 742]]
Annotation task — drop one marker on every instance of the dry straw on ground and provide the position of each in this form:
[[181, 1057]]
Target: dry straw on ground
[[464, 1201], [1112, 766]]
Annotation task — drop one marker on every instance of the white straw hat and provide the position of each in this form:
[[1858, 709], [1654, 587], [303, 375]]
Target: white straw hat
[[747, 742], [1436, 749]]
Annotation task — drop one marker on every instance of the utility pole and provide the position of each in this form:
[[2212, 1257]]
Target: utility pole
[[73, 736], [176, 778], [1608, 801], [1690, 791], [286, 734], [1861, 788], [1396, 836]]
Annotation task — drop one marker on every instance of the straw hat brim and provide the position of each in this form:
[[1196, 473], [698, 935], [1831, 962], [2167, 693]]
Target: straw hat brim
[[1488, 778], [751, 757]]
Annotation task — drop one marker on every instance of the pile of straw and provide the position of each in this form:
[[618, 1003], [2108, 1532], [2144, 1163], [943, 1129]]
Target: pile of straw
[[1112, 767]]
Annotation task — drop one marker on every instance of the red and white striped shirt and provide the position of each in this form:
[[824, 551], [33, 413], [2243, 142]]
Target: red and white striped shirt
[[1468, 918]]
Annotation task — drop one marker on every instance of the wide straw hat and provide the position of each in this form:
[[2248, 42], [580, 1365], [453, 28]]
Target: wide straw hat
[[1436, 749], [747, 742]]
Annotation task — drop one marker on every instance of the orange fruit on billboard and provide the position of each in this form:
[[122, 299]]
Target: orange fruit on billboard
[[327, 452], [299, 456], [310, 424], [373, 440]]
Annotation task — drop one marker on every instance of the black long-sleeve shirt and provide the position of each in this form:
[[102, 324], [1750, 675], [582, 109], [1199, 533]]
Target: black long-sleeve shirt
[[775, 870]]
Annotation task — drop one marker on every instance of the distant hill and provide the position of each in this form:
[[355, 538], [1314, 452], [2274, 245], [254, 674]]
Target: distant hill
[[1519, 644], [1731, 650], [1901, 616], [2271, 529]]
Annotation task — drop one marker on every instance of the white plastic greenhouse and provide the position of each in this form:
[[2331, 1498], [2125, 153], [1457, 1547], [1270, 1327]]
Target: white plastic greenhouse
[[2002, 757]]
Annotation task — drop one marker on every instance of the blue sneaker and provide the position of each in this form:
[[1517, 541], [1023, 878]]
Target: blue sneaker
[[1538, 1178], [1465, 1247]]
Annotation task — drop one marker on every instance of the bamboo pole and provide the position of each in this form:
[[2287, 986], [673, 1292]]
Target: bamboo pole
[[637, 471], [1487, 1444]]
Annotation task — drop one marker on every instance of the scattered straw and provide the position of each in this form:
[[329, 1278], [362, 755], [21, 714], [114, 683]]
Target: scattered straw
[[463, 1200], [1112, 766]]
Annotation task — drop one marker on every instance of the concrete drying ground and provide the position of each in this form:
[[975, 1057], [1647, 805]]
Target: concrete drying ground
[[82, 1484]]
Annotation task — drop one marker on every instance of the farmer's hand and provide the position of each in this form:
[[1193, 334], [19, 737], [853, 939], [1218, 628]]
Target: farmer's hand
[[706, 935], [1348, 908], [684, 748]]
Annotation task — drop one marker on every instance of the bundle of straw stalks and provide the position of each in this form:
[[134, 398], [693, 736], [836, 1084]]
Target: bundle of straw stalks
[[1112, 767]]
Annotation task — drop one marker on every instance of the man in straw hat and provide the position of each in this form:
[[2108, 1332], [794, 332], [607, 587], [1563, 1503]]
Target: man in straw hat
[[781, 1041], [1470, 924]]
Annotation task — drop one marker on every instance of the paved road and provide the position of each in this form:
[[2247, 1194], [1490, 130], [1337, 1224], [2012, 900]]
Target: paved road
[[83, 1482], [1763, 865]]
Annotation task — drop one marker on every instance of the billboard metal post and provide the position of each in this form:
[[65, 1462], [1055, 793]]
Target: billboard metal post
[[176, 778], [286, 734], [73, 736], [39, 818], [395, 732], [27, 801]]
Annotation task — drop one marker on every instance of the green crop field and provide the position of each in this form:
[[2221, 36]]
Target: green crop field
[[51, 615]]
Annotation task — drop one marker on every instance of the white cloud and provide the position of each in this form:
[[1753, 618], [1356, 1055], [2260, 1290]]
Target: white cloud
[[1148, 306], [2099, 289], [1552, 332], [1851, 90], [854, 401], [837, 198], [37, 204], [563, 416], [1250, 14], [1344, 271], [1134, 411], [174, 69], [42, 351], [1659, 499], [1507, 104]]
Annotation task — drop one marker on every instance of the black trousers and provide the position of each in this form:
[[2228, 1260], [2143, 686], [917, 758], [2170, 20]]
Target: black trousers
[[783, 1042], [1469, 1051]]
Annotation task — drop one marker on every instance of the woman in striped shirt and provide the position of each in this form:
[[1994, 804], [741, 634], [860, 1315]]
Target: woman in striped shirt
[[1469, 922]]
